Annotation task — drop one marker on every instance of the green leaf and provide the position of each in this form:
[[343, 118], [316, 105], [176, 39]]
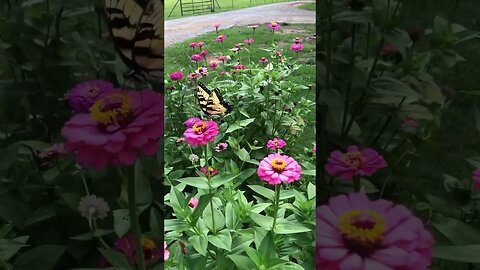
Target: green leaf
[[198, 182], [175, 225], [218, 218], [9, 247], [222, 240], [311, 192], [391, 91], [121, 222], [231, 218], [457, 253], [242, 154], [363, 16], [242, 262], [202, 203], [199, 243], [254, 256], [456, 231], [115, 258], [289, 227], [265, 222], [42, 257], [267, 248], [239, 125], [265, 192]]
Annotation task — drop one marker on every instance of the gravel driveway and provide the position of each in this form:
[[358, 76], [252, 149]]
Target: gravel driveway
[[178, 30]]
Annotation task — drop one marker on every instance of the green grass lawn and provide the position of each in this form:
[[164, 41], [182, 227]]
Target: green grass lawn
[[308, 6], [225, 5]]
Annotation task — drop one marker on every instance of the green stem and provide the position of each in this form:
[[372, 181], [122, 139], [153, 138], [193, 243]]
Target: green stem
[[356, 184], [210, 187], [137, 234], [275, 211]]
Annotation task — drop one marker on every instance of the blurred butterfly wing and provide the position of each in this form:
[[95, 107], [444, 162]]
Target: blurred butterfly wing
[[217, 105], [203, 96]]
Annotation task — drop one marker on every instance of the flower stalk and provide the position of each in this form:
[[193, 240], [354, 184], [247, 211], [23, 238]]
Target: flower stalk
[[275, 209]]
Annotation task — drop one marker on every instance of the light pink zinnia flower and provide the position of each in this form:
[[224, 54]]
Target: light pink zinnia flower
[[296, 47], [239, 67], [203, 53], [176, 76], [276, 143], [223, 58], [263, 60], [297, 40], [235, 49], [315, 149], [279, 53], [213, 64], [210, 171], [275, 169], [84, 94], [193, 75], [476, 179], [119, 127], [273, 25], [356, 233], [196, 57], [217, 25], [220, 38], [166, 253], [222, 73], [203, 71], [354, 162], [249, 41], [221, 147], [200, 44], [201, 132], [193, 202]]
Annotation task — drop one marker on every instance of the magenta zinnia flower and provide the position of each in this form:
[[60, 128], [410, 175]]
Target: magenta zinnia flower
[[211, 171], [191, 121], [239, 67], [263, 60], [356, 233], [193, 45], [275, 169], [213, 64], [193, 202], [276, 144], [151, 250], [296, 47], [476, 179], [273, 25], [196, 57], [176, 76], [355, 162], [119, 127], [221, 38], [203, 53], [223, 58], [297, 40], [249, 41], [222, 73], [83, 95], [200, 44], [166, 253], [201, 132]]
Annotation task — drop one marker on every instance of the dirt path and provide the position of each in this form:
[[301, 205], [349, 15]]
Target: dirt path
[[178, 30]]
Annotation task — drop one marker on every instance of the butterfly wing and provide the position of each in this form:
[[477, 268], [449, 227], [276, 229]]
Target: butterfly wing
[[217, 105], [203, 96]]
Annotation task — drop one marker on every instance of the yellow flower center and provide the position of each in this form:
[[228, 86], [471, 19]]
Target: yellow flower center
[[276, 142], [221, 36], [278, 164], [354, 159], [274, 24], [148, 243], [113, 109], [362, 228], [199, 127]]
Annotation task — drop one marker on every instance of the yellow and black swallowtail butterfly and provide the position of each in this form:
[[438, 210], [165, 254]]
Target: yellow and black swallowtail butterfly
[[136, 27], [211, 102]]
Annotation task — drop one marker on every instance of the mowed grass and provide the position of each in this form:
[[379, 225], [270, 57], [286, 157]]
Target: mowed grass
[[225, 5], [308, 6]]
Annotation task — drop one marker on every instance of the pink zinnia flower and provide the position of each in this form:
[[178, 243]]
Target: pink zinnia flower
[[263, 60], [411, 123], [200, 44], [476, 179], [119, 127], [193, 45], [221, 147], [213, 64], [196, 57], [52, 151], [193, 202], [151, 250], [193, 75], [211, 171], [191, 121], [249, 41], [201, 132], [354, 232], [296, 47], [279, 53], [176, 76], [297, 40], [83, 95], [203, 71], [273, 25], [235, 49], [203, 53], [354, 162], [389, 48], [221, 38], [315, 148], [166, 253], [239, 67], [276, 144], [275, 169], [223, 58], [217, 25], [222, 73]]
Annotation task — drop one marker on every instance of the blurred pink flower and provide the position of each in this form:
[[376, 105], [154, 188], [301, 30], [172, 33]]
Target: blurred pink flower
[[176, 76], [411, 123], [476, 178], [296, 47], [275, 169], [119, 127], [213, 64], [52, 151], [193, 45], [315, 149], [220, 38], [273, 25], [239, 67], [166, 253], [203, 71], [354, 162], [276, 144], [234, 49], [221, 147], [279, 53], [217, 25], [210, 171], [200, 44], [196, 57], [201, 132], [263, 60], [193, 202], [191, 121], [203, 53], [193, 75], [297, 40], [249, 41], [389, 48], [84, 94], [222, 73], [223, 58], [151, 250], [354, 232]]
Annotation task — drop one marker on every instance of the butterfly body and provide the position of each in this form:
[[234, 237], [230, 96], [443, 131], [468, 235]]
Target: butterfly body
[[136, 27], [212, 102]]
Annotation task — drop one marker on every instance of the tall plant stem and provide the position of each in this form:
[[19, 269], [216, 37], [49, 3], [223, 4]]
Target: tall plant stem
[[132, 208], [275, 210], [210, 187], [349, 87]]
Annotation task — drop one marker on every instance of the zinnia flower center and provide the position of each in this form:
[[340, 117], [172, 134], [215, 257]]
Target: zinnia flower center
[[278, 164], [199, 127], [354, 159], [148, 244], [276, 142], [362, 230], [114, 109], [274, 24], [92, 92]]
